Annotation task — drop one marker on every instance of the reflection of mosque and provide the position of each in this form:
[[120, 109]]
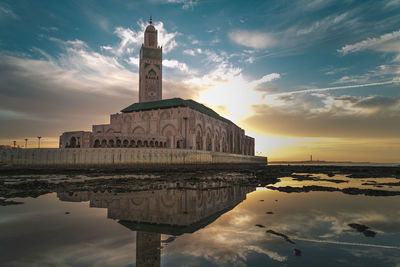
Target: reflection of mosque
[[172, 209]]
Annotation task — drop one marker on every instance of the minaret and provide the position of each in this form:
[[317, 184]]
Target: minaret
[[150, 67]]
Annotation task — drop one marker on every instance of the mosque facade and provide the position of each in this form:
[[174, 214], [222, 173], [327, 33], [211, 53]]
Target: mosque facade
[[162, 123]]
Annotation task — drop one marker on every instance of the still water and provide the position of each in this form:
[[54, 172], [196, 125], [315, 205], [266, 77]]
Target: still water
[[202, 224]]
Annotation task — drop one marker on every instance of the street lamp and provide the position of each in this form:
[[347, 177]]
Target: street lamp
[[26, 142], [15, 143], [39, 141]]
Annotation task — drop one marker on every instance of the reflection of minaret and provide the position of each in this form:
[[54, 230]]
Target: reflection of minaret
[[150, 67], [148, 249], [182, 208]]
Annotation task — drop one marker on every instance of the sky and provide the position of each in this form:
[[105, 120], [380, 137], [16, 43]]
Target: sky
[[305, 77]]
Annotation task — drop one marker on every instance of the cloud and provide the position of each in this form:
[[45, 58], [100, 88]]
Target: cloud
[[133, 61], [323, 25], [72, 91], [175, 64], [253, 39], [393, 4], [375, 43], [193, 52], [186, 4], [322, 115], [316, 90], [131, 40], [189, 52], [7, 12], [49, 29]]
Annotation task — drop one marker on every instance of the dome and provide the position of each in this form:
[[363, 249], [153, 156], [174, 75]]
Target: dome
[[150, 28]]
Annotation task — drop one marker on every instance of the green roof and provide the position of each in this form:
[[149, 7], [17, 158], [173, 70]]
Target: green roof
[[172, 103]]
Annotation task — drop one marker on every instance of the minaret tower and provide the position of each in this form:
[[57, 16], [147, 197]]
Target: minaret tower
[[150, 67]]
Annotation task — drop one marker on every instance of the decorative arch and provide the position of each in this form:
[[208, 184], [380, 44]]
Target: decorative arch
[[139, 130], [145, 116], [152, 73], [127, 119], [168, 130], [165, 115]]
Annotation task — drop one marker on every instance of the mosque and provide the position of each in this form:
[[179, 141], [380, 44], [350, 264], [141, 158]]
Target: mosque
[[162, 123]]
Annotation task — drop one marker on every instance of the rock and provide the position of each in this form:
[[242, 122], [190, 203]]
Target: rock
[[260, 225], [281, 235], [5, 202], [297, 252], [369, 233], [359, 227], [269, 212], [67, 212], [363, 229], [169, 239]]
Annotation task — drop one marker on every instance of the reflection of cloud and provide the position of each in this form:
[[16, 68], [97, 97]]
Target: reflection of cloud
[[347, 243]]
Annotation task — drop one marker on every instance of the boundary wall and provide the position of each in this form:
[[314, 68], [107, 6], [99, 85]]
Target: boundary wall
[[119, 156]]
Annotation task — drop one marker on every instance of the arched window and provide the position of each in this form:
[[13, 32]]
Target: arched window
[[208, 142], [118, 143], [111, 143], [125, 143], [72, 142], [199, 140], [96, 143], [104, 143], [132, 143]]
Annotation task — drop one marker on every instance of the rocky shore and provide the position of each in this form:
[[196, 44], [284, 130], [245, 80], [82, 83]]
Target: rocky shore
[[33, 182]]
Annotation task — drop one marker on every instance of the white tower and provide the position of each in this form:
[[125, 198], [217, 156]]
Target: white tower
[[150, 67]]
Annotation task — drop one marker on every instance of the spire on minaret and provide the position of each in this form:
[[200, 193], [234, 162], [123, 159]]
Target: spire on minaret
[[151, 20]]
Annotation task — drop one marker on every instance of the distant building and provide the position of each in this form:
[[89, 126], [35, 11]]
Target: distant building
[[167, 123]]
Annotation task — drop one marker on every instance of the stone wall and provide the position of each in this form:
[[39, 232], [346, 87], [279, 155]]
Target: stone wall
[[119, 156]]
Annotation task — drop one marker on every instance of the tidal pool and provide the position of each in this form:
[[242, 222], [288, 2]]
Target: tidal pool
[[202, 224]]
